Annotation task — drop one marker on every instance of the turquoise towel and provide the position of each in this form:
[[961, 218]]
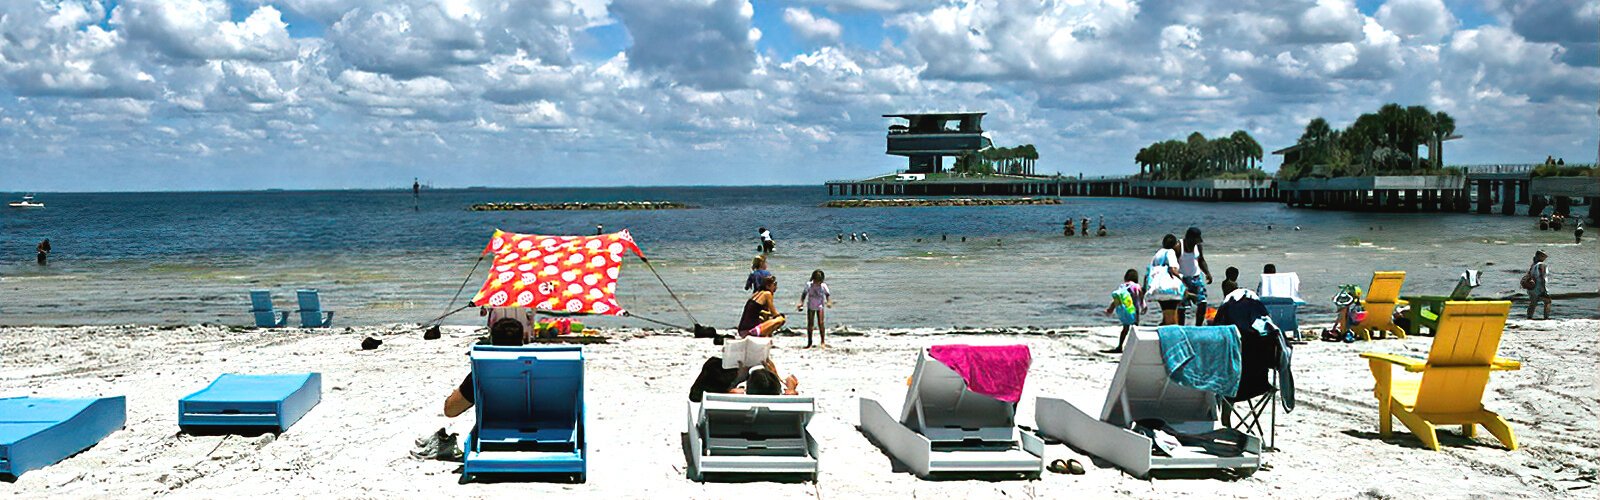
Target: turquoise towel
[[1202, 357]]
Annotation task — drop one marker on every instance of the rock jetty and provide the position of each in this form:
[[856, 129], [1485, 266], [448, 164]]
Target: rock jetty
[[940, 202], [579, 205]]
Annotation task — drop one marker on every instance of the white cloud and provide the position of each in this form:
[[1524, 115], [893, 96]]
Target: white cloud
[[704, 43], [1426, 20], [811, 27], [200, 29]]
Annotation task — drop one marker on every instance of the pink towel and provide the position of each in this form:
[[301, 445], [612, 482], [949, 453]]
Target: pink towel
[[997, 371]]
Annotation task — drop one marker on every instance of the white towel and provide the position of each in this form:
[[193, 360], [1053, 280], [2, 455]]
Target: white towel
[[1281, 285]]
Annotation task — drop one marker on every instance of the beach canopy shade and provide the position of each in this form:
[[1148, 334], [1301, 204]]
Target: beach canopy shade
[[556, 274]]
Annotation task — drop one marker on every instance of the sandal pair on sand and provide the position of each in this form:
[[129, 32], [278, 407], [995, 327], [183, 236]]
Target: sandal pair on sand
[[1060, 466]]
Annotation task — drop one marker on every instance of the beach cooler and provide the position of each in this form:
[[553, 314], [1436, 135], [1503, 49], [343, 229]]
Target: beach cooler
[[946, 429], [750, 435], [37, 432], [530, 411], [1141, 389], [311, 313], [244, 403], [261, 308]]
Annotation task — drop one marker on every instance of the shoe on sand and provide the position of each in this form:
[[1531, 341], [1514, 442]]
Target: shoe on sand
[[440, 445]]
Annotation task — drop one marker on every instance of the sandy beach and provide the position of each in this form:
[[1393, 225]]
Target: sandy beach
[[356, 443]]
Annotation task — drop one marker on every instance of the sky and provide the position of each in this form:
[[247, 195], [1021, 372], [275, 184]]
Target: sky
[[325, 94]]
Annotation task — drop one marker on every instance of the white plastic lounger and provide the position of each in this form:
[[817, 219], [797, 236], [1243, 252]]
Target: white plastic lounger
[[744, 434], [1140, 390], [946, 429]]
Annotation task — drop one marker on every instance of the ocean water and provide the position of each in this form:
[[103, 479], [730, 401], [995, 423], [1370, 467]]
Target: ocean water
[[182, 258]]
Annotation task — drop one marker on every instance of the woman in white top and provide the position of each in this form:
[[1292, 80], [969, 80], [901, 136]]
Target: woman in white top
[[1196, 275], [1166, 257]]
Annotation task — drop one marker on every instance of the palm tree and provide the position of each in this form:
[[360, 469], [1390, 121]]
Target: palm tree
[[1248, 148], [1443, 127]]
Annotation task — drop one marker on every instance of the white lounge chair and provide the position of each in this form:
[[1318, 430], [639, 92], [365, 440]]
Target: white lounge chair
[[745, 434], [1140, 390], [946, 429]]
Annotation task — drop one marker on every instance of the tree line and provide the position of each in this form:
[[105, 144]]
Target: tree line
[[1381, 143], [1199, 157], [1017, 160]]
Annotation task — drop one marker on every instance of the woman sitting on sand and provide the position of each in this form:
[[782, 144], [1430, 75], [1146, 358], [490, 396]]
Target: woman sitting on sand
[[761, 317]]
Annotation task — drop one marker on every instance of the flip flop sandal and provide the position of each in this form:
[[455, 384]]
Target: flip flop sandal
[[1060, 466]]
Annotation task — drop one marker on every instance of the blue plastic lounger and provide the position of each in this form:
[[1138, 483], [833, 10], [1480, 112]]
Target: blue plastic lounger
[[36, 432], [1284, 313], [311, 313], [261, 308], [529, 411], [246, 402]]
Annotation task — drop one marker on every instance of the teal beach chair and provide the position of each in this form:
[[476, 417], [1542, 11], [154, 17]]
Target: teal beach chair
[[261, 308], [38, 432], [311, 313], [530, 412]]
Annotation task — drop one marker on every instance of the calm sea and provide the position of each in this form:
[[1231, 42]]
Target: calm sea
[[181, 258]]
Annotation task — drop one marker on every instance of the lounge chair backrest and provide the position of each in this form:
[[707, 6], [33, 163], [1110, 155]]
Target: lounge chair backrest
[[1385, 287], [742, 424], [1141, 388], [260, 300], [1464, 347], [1463, 289], [309, 300], [535, 387], [939, 406]]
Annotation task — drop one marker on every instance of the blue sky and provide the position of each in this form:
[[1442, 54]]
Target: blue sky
[[250, 94]]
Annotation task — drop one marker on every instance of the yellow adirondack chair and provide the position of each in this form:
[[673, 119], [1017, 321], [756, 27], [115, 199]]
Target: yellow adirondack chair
[[1450, 390], [1382, 297]]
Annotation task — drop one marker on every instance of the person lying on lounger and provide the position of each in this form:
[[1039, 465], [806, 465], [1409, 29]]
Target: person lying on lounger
[[506, 332], [761, 380]]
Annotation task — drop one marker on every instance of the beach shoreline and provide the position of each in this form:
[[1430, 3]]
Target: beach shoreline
[[356, 442]]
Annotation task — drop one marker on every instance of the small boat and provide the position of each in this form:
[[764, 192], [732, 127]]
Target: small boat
[[27, 202]]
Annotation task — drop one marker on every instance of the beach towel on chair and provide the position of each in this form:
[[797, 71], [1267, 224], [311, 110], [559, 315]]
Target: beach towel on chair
[[1202, 357], [994, 371]]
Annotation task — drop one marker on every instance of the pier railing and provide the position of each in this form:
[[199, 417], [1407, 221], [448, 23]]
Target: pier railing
[[1499, 168]]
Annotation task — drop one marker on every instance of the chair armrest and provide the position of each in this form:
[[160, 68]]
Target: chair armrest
[[1409, 363], [1504, 364]]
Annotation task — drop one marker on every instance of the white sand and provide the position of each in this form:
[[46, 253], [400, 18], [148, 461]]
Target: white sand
[[375, 403]]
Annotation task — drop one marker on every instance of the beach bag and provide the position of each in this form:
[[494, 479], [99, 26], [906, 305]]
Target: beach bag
[[1527, 278], [1163, 285]]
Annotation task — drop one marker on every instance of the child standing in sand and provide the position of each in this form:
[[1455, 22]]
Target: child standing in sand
[[1125, 303], [815, 299]]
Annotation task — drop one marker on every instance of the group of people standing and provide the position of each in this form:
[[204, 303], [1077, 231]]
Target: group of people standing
[[1066, 227]]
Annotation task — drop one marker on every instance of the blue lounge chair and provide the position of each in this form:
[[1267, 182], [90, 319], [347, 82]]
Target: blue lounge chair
[[311, 313], [1284, 312], [529, 411], [247, 403], [37, 432], [261, 307]]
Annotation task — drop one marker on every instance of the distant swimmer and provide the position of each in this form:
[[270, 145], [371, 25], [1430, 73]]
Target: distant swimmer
[[44, 251], [1085, 229], [1066, 228], [944, 237], [840, 238], [1297, 228], [863, 236], [599, 229], [767, 245], [1269, 227], [855, 237], [1577, 233], [1102, 230]]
